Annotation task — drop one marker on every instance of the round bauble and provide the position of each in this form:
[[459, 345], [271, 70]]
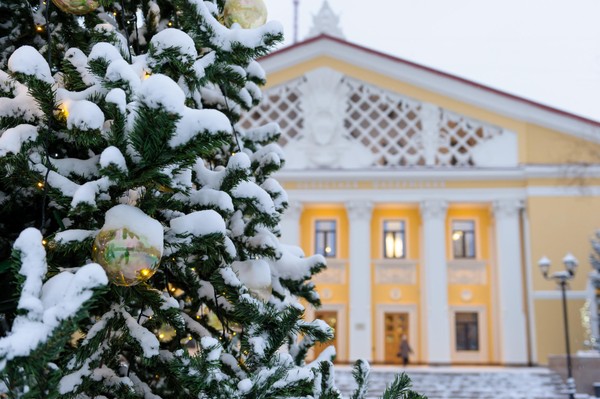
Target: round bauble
[[262, 293], [77, 7], [129, 245], [248, 14], [125, 256]]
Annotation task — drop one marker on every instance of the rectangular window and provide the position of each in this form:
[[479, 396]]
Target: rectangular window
[[463, 239], [394, 239], [467, 331], [325, 238]]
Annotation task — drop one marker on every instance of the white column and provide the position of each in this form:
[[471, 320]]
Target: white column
[[360, 311], [513, 328], [290, 224], [435, 279]]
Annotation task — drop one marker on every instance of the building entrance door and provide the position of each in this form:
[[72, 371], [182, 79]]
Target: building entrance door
[[396, 325], [331, 318]]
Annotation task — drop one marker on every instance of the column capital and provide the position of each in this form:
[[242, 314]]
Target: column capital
[[359, 209], [293, 210], [507, 208], [433, 209]]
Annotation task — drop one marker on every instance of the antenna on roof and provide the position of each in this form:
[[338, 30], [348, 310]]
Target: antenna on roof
[[296, 4]]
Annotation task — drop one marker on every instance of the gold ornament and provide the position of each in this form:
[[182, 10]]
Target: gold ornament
[[126, 257], [262, 293], [166, 333], [248, 13], [77, 7]]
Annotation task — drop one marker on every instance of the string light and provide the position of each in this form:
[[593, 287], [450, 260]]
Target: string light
[[44, 242], [39, 28], [40, 184], [145, 272], [169, 24], [146, 75]]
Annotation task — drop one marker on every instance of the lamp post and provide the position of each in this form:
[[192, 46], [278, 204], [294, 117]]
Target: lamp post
[[562, 277]]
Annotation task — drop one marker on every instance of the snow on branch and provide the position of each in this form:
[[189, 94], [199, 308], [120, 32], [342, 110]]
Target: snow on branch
[[49, 304]]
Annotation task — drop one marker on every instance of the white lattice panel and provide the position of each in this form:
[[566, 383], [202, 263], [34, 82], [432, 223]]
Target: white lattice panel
[[459, 136], [280, 104], [397, 130]]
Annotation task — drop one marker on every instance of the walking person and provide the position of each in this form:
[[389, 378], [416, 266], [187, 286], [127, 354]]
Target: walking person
[[405, 350]]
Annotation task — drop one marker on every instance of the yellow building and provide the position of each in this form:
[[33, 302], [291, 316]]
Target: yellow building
[[432, 198]]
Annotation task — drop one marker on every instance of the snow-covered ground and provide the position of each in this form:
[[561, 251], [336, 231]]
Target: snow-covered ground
[[463, 382]]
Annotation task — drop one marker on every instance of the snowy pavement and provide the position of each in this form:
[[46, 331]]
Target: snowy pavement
[[463, 382]]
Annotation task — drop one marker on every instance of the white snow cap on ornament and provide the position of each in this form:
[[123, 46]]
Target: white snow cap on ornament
[[29, 61], [199, 223], [161, 91], [254, 273], [172, 37], [225, 37], [136, 221]]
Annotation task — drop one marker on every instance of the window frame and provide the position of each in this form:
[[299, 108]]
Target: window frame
[[467, 328], [327, 233], [402, 231], [463, 239]]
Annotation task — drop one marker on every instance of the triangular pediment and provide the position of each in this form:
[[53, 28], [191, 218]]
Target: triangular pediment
[[333, 121], [500, 120]]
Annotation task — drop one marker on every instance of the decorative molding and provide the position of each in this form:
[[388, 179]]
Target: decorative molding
[[507, 208], [430, 127], [466, 295], [395, 271], [395, 294], [323, 142], [433, 209], [359, 210], [467, 272], [326, 22], [335, 273]]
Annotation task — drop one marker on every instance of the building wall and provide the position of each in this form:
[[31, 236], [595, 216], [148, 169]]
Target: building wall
[[559, 225], [561, 213]]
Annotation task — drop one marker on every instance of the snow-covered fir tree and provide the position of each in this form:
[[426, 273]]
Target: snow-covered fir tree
[[139, 244]]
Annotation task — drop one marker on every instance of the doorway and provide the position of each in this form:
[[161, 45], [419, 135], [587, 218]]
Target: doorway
[[331, 318], [396, 324]]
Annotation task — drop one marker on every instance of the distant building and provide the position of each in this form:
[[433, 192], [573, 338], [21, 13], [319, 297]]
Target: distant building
[[432, 197]]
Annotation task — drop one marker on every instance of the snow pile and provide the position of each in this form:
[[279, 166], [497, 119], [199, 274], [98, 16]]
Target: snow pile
[[29, 61], [12, 139]]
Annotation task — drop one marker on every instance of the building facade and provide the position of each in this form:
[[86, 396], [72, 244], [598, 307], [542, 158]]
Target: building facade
[[432, 199]]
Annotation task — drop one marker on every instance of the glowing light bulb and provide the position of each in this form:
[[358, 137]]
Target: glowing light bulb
[[145, 272], [40, 184], [39, 28], [456, 236], [44, 242]]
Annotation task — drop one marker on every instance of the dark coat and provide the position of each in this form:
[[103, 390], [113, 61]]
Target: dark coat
[[405, 349]]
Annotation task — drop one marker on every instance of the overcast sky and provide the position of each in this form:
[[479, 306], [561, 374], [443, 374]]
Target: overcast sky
[[544, 50]]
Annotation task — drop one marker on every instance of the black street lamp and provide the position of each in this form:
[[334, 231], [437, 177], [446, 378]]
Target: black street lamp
[[562, 278]]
